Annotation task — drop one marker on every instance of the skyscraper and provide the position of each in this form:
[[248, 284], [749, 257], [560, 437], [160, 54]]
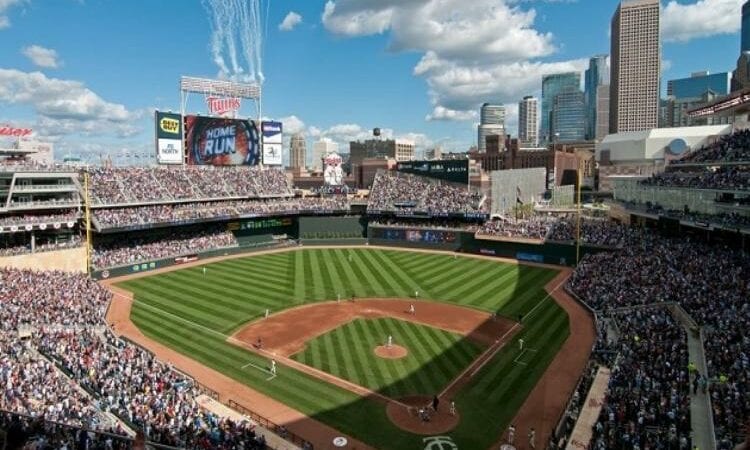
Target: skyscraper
[[684, 94], [491, 121], [320, 150], [741, 76], [297, 151], [552, 85], [597, 99], [568, 116], [636, 64], [745, 46], [528, 133]]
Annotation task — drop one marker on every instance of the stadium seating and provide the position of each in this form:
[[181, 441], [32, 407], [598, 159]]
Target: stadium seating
[[124, 185], [710, 283], [732, 148], [164, 214], [63, 315], [398, 192], [178, 242]]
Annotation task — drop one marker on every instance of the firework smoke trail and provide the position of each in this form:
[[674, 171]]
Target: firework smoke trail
[[236, 38]]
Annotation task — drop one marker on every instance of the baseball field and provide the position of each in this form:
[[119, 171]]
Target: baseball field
[[324, 317]]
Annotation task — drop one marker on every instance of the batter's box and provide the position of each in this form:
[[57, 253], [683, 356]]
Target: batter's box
[[520, 358]]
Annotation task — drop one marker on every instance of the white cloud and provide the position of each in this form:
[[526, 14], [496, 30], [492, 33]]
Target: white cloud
[[292, 125], [443, 113], [4, 7], [42, 57], [472, 51], [344, 133], [66, 107], [290, 21], [703, 18]]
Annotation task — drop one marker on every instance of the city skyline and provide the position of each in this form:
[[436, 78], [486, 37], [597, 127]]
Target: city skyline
[[95, 95]]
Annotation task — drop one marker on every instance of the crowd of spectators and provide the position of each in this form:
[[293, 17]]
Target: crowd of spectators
[[600, 232], [29, 432], [125, 378], [712, 283], [648, 396], [122, 185], [724, 178], [399, 192], [734, 147], [47, 219], [432, 224], [156, 214], [535, 227], [13, 248], [143, 248], [50, 323]]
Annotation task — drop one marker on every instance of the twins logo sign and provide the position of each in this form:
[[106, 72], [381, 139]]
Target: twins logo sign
[[439, 443]]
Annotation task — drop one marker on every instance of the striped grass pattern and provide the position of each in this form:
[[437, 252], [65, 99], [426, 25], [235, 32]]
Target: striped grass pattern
[[194, 313], [435, 356]]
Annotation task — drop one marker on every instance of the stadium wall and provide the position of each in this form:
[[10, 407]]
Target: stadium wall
[[147, 266], [465, 242], [68, 260], [337, 227]]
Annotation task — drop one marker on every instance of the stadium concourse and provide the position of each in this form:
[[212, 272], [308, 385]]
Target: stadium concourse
[[69, 381]]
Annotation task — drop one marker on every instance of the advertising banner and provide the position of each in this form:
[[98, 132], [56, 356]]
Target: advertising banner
[[272, 154], [456, 171], [168, 138], [272, 143], [221, 142]]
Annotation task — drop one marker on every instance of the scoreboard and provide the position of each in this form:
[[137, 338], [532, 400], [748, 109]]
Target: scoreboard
[[452, 170]]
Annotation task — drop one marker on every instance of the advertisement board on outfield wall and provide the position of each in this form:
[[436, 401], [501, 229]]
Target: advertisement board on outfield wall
[[272, 143], [169, 138], [221, 142]]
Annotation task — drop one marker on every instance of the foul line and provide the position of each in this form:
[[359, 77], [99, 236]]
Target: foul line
[[262, 369], [490, 353], [520, 355]]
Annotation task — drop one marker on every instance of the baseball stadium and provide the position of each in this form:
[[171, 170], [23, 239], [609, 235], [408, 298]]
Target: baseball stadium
[[224, 297]]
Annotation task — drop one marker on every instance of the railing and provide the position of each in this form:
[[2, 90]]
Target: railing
[[280, 430]]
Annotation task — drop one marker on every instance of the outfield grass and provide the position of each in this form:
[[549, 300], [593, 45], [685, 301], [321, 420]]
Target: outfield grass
[[435, 356], [193, 314]]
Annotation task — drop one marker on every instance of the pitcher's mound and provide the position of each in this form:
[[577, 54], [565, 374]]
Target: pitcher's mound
[[392, 352], [428, 422]]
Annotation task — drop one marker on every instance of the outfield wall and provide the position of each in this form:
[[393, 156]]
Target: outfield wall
[[558, 253], [336, 227]]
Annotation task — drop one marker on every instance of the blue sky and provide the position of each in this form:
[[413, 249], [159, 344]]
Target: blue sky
[[86, 74]]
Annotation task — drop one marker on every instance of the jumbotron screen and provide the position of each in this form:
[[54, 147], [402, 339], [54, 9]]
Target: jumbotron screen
[[222, 142], [456, 171]]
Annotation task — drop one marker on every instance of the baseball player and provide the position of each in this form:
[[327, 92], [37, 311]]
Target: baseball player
[[390, 341], [267, 312], [411, 309], [453, 408], [204, 271], [532, 438], [520, 344], [273, 366], [416, 294], [511, 434]]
